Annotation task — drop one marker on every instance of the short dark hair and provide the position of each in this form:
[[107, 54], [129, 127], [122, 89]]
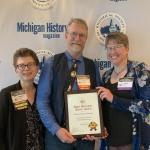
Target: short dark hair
[[119, 37], [25, 52]]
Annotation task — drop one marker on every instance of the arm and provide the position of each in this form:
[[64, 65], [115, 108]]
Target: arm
[[3, 119], [43, 97], [43, 104], [141, 104], [141, 89]]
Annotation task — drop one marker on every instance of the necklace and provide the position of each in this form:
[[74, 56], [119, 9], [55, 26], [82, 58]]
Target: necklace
[[120, 72]]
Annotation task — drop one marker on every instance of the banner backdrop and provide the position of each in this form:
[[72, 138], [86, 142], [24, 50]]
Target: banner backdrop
[[40, 25]]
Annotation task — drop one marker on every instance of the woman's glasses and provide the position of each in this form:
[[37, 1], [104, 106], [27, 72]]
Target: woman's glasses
[[116, 47], [23, 66]]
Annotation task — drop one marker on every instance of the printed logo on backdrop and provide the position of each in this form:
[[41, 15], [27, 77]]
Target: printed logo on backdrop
[[43, 4], [102, 64], [50, 30], [43, 55], [107, 23]]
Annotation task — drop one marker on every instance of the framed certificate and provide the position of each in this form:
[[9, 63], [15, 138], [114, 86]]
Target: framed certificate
[[83, 113]]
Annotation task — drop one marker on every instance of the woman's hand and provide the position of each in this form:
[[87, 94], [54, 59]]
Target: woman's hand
[[104, 134], [105, 94], [89, 137]]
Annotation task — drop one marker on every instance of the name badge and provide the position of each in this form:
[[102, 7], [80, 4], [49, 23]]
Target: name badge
[[19, 99], [125, 83], [83, 82]]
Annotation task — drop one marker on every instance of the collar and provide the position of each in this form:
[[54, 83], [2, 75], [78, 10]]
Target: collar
[[69, 57]]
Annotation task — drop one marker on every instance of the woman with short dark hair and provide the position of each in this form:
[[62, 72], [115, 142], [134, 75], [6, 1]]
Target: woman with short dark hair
[[20, 124], [125, 97]]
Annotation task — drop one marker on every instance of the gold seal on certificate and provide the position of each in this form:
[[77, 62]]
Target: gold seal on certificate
[[83, 113]]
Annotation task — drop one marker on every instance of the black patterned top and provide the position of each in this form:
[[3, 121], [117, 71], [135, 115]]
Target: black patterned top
[[34, 130]]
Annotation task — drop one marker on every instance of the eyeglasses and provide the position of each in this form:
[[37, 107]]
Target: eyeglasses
[[116, 47], [75, 34], [23, 66]]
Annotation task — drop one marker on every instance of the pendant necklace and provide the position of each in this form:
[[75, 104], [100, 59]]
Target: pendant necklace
[[120, 72]]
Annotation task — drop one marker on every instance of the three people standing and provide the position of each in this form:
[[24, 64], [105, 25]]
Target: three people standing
[[125, 96]]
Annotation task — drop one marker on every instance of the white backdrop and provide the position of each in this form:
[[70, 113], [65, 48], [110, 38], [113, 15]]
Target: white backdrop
[[134, 12]]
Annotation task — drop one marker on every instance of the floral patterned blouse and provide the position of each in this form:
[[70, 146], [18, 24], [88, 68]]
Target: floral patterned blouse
[[140, 106]]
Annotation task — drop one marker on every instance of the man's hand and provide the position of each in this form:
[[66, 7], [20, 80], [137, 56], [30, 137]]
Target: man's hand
[[65, 136]]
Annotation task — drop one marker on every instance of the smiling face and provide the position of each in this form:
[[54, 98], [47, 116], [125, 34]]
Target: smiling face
[[76, 37], [116, 53], [26, 68]]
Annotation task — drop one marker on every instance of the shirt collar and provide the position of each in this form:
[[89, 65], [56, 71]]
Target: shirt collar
[[69, 57]]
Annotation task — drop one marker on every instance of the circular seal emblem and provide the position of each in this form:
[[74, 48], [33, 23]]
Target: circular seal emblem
[[43, 4], [107, 23], [43, 55]]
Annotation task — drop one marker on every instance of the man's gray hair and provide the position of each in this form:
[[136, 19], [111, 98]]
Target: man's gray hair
[[78, 21]]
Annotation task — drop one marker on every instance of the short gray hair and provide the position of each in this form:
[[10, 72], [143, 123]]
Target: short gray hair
[[78, 21]]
